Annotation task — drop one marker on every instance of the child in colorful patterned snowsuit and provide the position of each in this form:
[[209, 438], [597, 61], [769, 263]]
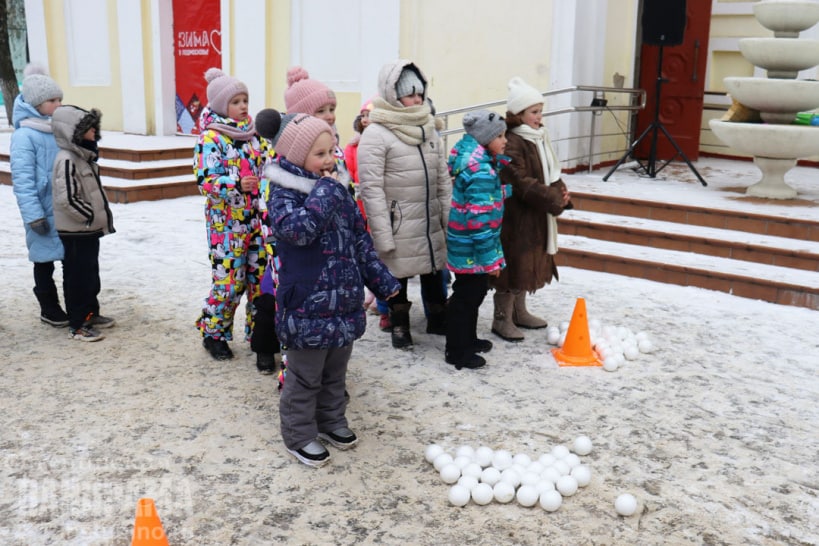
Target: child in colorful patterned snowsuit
[[473, 238], [327, 257], [228, 159]]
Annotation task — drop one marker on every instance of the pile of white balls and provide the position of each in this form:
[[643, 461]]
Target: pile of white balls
[[613, 344], [484, 474]]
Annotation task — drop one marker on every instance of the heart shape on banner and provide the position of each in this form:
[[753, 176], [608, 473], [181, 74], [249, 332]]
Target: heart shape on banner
[[216, 46]]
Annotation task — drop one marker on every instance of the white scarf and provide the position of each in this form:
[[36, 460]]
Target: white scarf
[[40, 124], [551, 172]]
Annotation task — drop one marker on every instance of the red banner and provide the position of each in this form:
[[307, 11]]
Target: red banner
[[197, 47]]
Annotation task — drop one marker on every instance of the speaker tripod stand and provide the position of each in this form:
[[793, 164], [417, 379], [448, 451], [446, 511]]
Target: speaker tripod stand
[[656, 126]]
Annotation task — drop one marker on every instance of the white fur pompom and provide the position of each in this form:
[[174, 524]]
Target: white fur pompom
[[34, 68], [213, 73]]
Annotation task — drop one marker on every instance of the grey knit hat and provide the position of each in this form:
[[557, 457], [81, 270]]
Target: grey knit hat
[[221, 89], [484, 125], [38, 87], [409, 83]]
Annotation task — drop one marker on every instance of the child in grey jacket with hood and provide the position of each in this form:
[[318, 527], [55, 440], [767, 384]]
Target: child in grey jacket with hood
[[82, 216]]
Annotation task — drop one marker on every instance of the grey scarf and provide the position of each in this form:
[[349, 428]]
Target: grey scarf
[[40, 124]]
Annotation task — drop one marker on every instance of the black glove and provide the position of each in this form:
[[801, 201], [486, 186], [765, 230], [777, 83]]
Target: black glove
[[40, 226]]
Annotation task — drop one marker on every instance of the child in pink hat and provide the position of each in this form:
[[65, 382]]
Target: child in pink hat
[[308, 96], [327, 257]]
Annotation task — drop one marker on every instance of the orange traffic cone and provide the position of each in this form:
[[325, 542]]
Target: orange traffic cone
[[577, 349], [148, 529]]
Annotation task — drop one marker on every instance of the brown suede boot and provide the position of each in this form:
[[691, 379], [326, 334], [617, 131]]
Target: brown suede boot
[[502, 324], [523, 318]]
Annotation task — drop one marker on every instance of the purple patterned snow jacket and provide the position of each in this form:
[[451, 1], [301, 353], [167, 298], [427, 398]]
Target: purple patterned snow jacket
[[327, 256]]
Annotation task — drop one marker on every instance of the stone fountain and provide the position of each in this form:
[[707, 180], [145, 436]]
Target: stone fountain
[[776, 144]]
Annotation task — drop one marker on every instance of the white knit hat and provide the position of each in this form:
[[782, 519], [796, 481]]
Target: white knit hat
[[38, 87], [522, 96]]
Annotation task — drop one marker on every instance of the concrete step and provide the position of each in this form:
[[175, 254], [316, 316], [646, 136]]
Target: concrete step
[[775, 284], [725, 243]]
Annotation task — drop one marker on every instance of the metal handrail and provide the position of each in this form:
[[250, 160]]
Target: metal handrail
[[637, 102]]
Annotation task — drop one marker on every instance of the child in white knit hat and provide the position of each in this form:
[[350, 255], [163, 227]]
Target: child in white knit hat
[[529, 242], [228, 159], [32, 152], [406, 190], [327, 257]]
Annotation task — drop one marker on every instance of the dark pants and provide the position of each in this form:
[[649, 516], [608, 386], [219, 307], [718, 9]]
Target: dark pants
[[81, 277], [264, 339], [44, 278], [468, 292], [314, 397], [433, 290]]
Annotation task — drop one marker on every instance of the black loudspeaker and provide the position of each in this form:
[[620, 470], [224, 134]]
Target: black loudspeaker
[[663, 22]]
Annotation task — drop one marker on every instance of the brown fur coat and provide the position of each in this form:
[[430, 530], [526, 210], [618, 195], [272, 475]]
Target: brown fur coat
[[524, 232]]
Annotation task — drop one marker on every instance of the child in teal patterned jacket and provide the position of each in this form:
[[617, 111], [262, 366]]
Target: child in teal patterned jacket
[[474, 250]]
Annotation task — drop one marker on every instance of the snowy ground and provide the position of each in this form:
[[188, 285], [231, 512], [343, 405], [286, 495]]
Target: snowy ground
[[715, 432]]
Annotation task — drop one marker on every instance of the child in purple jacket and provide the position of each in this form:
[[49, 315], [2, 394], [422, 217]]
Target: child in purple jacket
[[327, 257]]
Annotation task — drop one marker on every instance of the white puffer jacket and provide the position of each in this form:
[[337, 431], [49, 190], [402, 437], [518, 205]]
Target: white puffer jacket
[[406, 188]]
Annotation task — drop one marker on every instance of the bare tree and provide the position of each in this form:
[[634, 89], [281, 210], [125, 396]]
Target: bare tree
[[8, 79]]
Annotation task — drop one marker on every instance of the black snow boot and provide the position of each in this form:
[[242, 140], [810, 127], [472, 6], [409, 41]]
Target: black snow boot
[[50, 310], [399, 317]]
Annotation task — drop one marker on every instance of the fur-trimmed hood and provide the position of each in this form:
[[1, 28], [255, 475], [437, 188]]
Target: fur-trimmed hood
[[278, 176], [70, 123]]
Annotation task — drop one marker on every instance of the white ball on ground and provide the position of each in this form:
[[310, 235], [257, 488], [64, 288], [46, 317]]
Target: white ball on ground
[[572, 460], [502, 459], [529, 478], [521, 459], [441, 461], [562, 341], [582, 445], [465, 451], [562, 467], [468, 481], [483, 494], [472, 469], [536, 467], [547, 460], [459, 495], [490, 475], [564, 326], [639, 336], [527, 495], [450, 473], [631, 352], [560, 451], [503, 492], [511, 477], [543, 486], [432, 451], [567, 486], [461, 461], [483, 456], [625, 504], [611, 364], [581, 474], [552, 336], [552, 474], [645, 346], [551, 500]]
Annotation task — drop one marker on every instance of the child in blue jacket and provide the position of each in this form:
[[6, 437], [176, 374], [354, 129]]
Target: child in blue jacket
[[474, 251], [327, 257], [32, 152]]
